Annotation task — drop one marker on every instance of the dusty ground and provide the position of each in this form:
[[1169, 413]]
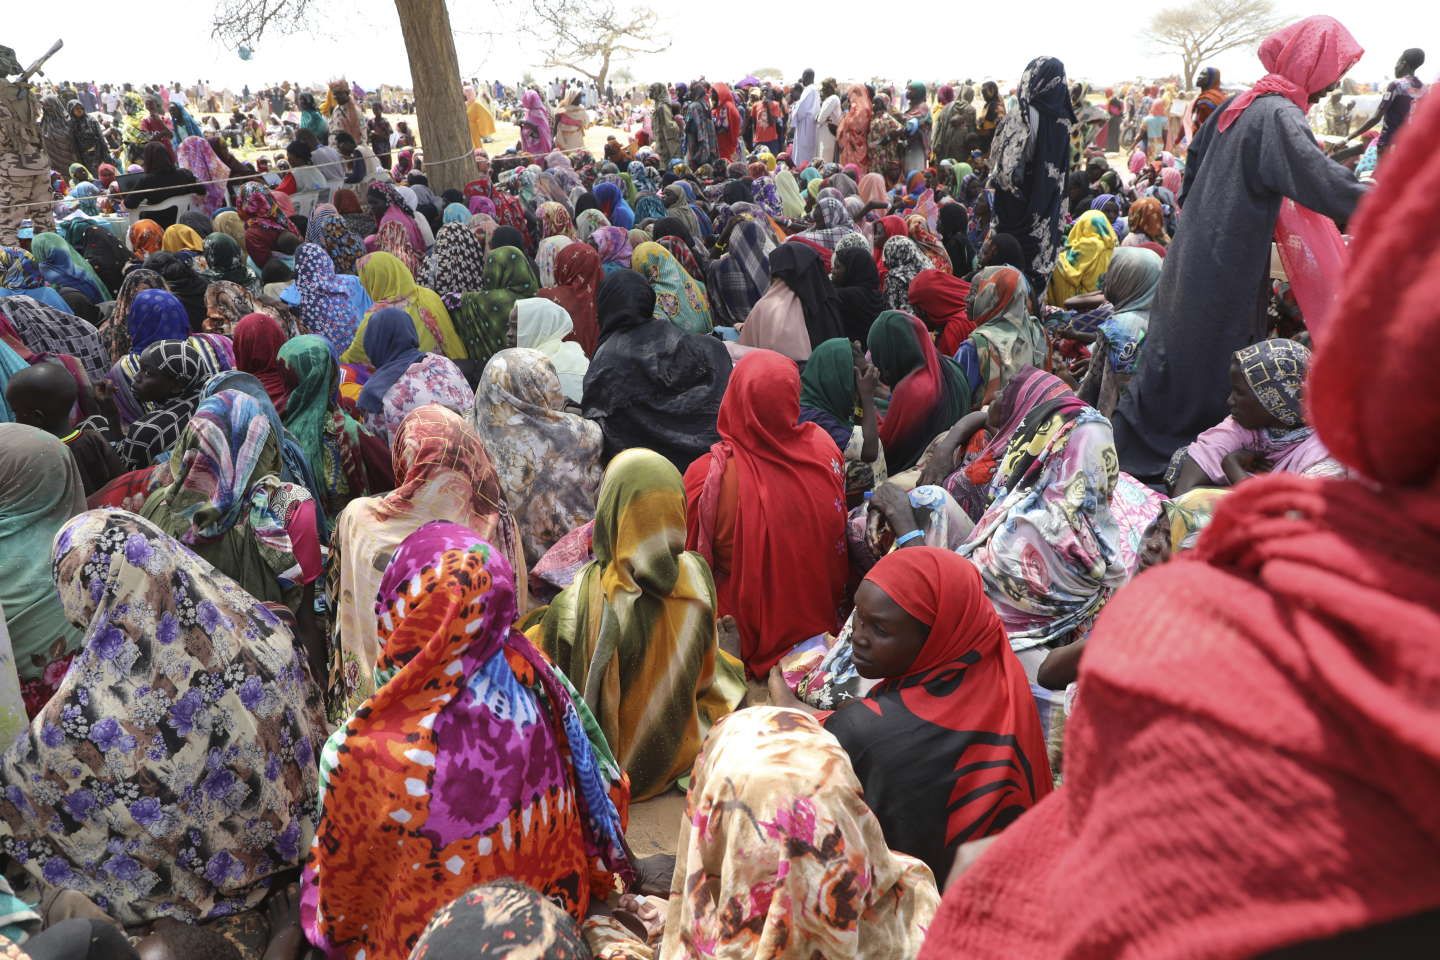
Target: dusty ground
[[655, 824]]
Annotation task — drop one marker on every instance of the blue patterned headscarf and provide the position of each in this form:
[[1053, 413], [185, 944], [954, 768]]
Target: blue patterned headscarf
[[1275, 370]]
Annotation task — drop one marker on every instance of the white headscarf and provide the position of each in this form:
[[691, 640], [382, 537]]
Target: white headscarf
[[542, 325]]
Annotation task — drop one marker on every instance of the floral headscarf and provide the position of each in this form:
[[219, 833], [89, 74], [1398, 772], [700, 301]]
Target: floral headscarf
[[174, 653], [588, 221], [545, 256], [903, 262], [145, 238], [613, 245], [776, 826], [325, 300], [555, 220], [197, 156], [679, 298], [257, 206]]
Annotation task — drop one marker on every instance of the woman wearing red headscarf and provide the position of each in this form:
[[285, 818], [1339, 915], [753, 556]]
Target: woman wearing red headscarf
[[1213, 292], [940, 298], [1254, 756], [948, 746], [258, 338], [766, 509], [577, 279]]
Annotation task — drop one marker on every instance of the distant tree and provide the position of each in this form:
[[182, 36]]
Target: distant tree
[[774, 74], [434, 70], [591, 37], [1202, 29]]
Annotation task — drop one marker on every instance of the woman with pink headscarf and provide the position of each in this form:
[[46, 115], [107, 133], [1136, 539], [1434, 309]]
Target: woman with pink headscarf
[[1214, 288], [535, 126]]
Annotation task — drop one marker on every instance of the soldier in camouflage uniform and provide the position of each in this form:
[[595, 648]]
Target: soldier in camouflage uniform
[[24, 168]]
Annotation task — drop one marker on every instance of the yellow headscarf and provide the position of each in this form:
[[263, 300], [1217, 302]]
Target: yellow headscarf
[[391, 284], [791, 203], [180, 237], [1087, 255]]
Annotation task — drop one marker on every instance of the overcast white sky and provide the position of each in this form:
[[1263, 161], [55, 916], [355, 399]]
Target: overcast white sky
[[843, 38]]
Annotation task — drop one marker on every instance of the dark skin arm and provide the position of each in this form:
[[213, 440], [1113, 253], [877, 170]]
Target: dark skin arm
[[1189, 477], [894, 505], [310, 636], [867, 380], [1061, 667], [942, 458]]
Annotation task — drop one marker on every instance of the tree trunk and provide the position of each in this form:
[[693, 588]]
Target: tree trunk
[[444, 130], [604, 72], [1189, 77]]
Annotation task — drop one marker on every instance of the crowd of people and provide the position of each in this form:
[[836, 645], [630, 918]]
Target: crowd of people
[[999, 556]]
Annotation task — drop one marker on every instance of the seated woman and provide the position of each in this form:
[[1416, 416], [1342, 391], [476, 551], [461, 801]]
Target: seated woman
[[650, 384], [577, 282], [302, 176], [857, 285], [405, 378], [1266, 431], [348, 460], [636, 629], [1007, 335], [964, 461], [942, 300], [737, 280], [483, 318], [548, 459], [226, 501], [31, 513], [836, 380], [388, 206], [1050, 548], [1129, 286], [1146, 223], [264, 222], [168, 381], [161, 181], [1081, 265], [258, 338], [929, 393], [766, 509], [774, 829], [331, 304], [542, 324], [442, 472], [679, 297], [390, 284], [938, 769], [173, 774], [499, 778]]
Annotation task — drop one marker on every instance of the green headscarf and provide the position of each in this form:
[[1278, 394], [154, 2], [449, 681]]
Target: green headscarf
[[31, 513], [45, 242], [828, 380], [892, 346], [308, 410], [483, 318]]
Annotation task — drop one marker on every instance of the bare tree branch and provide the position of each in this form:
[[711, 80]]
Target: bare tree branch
[[588, 38], [246, 21], [1205, 28]]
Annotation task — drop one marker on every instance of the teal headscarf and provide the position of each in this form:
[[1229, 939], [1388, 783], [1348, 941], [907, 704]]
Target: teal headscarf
[[30, 515]]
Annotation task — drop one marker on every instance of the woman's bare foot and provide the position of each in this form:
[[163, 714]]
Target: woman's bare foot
[[287, 940]]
